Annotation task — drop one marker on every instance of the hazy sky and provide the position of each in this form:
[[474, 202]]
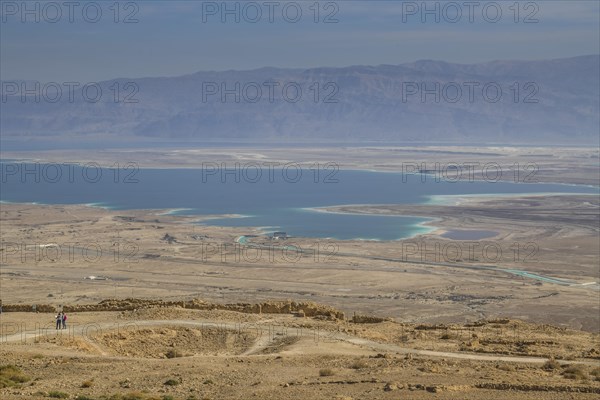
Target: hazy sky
[[167, 38]]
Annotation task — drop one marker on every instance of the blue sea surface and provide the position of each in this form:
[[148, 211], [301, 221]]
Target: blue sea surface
[[278, 201]]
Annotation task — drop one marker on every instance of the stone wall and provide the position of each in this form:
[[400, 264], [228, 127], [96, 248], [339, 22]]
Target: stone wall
[[309, 309]]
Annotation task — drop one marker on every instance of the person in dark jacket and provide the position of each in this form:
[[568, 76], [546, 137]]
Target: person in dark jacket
[[58, 320]]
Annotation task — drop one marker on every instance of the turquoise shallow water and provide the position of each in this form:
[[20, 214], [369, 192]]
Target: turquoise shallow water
[[277, 202]]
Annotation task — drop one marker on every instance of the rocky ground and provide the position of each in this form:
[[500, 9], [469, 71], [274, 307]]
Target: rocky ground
[[161, 351], [524, 326]]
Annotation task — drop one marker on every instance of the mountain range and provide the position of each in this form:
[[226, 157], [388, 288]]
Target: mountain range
[[549, 101]]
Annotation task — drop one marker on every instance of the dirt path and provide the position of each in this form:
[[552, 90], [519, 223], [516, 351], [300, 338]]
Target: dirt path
[[265, 337]]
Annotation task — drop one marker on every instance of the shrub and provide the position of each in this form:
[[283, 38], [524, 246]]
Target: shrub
[[551, 365], [134, 396], [173, 353], [575, 372], [11, 375], [505, 367], [55, 394], [326, 372]]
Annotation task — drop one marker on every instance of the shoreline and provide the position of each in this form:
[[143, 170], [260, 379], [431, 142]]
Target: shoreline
[[437, 200], [421, 225], [445, 199], [559, 169], [203, 220], [429, 225], [378, 275]]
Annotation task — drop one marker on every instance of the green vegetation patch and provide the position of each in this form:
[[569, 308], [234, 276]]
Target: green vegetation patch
[[11, 376]]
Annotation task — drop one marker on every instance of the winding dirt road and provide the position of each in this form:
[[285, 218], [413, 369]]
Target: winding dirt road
[[265, 335]]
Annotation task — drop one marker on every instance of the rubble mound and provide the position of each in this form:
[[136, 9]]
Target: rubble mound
[[174, 342]]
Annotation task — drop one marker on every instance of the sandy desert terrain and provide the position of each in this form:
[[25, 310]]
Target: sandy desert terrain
[[160, 350], [425, 317]]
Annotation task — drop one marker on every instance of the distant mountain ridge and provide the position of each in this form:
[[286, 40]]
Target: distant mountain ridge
[[356, 103]]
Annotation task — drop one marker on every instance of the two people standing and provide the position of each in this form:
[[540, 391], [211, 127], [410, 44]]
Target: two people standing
[[61, 320]]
